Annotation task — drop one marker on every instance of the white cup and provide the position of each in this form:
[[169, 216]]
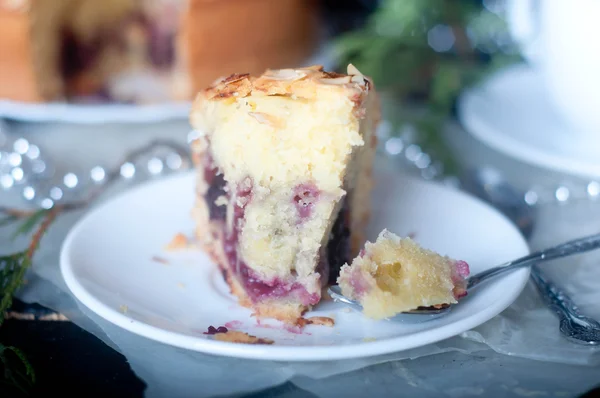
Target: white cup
[[561, 39]]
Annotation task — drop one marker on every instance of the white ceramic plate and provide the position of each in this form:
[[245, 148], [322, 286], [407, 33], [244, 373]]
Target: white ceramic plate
[[511, 113], [113, 262], [93, 114]]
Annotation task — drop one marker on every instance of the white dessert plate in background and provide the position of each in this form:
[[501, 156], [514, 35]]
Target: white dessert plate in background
[[114, 263], [93, 113], [511, 112]]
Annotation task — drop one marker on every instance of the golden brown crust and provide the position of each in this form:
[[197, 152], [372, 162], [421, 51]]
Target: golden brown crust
[[299, 82]]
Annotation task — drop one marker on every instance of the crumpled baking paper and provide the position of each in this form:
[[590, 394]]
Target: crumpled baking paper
[[527, 329]]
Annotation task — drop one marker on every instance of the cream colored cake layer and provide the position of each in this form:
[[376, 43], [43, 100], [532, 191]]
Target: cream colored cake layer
[[285, 126], [394, 275]]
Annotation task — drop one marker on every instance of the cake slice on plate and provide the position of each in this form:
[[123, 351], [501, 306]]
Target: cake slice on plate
[[395, 275], [284, 179]]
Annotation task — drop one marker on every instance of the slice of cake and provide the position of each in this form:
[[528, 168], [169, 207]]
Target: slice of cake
[[284, 178], [395, 275]]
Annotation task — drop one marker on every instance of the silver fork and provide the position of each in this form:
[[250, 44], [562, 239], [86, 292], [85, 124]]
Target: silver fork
[[574, 326], [493, 189]]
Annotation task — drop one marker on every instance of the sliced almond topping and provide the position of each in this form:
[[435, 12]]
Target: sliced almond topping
[[265, 118], [234, 78], [218, 80], [352, 70], [285, 74], [360, 79], [337, 80]]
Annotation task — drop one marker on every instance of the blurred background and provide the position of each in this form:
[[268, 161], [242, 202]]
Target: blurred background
[[496, 97], [466, 84]]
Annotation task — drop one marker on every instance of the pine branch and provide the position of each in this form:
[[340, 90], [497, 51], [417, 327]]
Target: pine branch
[[12, 370], [13, 267], [393, 48]]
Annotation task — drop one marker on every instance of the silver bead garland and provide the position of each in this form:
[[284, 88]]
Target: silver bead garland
[[25, 169], [26, 172], [400, 146]]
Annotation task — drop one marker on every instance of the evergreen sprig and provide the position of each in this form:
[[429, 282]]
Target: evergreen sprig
[[393, 48]]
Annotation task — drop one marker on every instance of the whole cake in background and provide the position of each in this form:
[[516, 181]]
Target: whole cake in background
[[144, 50], [284, 180]]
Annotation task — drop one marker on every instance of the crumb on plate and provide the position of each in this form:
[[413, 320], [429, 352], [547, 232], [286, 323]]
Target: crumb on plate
[[123, 308], [215, 330], [160, 260], [234, 336], [317, 320], [179, 242], [53, 317], [19, 316]]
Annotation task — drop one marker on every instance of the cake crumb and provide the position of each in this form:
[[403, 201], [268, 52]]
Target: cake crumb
[[19, 316], [160, 260], [369, 339], [53, 317], [215, 330], [234, 336], [179, 242], [123, 309], [317, 320], [181, 285]]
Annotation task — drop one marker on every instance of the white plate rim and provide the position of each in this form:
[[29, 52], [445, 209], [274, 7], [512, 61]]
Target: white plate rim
[[523, 151], [93, 113], [274, 352]]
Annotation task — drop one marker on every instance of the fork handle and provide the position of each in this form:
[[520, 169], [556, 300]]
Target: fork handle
[[576, 246], [556, 298]]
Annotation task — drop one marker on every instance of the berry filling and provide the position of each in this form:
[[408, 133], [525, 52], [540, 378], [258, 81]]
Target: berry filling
[[256, 288], [305, 196], [459, 274]]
